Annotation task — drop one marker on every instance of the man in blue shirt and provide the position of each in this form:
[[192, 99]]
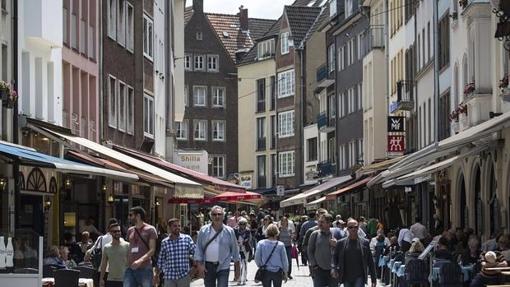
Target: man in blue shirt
[[216, 247], [174, 258]]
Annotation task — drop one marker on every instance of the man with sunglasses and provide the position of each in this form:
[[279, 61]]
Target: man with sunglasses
[[114, 256], [216, 247], [320, 251], [353, 259]]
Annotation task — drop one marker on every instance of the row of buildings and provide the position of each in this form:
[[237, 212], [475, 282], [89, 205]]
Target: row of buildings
[[392, 109]]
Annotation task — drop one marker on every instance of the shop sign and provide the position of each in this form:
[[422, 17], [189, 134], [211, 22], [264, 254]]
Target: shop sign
[[280, 190], [396, 144], [396, 124], [246, 181], [194, 160]]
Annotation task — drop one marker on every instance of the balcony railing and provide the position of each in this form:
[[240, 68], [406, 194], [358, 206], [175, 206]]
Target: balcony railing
[[323, 78], [325, 168], [325, 123], [377, 40], [405, 100], [261, 144]]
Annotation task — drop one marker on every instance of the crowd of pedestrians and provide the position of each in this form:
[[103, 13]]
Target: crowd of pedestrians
[[336, 252]]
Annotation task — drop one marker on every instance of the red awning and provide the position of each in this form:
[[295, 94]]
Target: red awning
[[357, 184], [218, 184], [236, 196]]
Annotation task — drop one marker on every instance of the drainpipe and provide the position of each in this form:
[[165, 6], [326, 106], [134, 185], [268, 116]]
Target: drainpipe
[[436, 73], [13, 133], [100, 80], [301, 116]]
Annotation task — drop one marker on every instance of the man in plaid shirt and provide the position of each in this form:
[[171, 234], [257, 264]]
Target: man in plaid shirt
[[174, 258]]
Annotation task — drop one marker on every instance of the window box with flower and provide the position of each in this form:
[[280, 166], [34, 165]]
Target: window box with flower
[[460, 109], [469, 89], [8, 94], [463, 3]]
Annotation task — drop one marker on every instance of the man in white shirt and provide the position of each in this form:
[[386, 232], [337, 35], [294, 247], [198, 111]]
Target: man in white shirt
[[405, 237], [419, 230]]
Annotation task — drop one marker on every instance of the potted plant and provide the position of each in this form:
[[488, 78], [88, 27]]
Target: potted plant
[[469, 88], [463, 3], [503, 83], [8, 94], [454, 116]]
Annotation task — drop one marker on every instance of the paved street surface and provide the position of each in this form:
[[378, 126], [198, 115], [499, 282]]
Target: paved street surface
[[300, 277]]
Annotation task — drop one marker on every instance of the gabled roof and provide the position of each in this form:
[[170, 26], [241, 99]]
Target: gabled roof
[[228, 30], [301, 19], [323, 18]]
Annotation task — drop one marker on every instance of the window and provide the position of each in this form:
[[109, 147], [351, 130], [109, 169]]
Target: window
[[261, 171], [199, 96], [148, 115], [188, 62], [218, 131], [4, 60], [273, 92], [352, 153], [273, 132], [121, 23], [261, 134], [360, 150], [286, 84], [349, 9], [148, 37], [212, 63], [343, 157], [332, 8], [331, 58], [112, 102], [186, 95], [341, 58], [112, 19], [261, 95], [429, 43], [444, 42], [265, 49], [199, 36], [359, 38], [200, 130], [286, 124], [199, 62], [122, 107], [312, 149], [284, 43], [218, 97], [130, 110], [181, 129], [218, 166], [359, 103], [130, 27], [341, 105], [286, 163]]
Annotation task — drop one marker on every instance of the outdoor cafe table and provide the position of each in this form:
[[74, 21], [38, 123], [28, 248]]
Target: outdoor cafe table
[[82, 282]]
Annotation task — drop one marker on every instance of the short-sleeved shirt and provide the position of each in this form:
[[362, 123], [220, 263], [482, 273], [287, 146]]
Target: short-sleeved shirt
[[137, 247], [117, 259]]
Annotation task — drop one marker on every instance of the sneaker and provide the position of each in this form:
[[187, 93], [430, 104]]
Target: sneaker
[[290, 277]]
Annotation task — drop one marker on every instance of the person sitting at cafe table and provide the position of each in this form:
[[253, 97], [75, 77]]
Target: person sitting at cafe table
[[64, 255], [54, 259], [491, 259], [472, 254]]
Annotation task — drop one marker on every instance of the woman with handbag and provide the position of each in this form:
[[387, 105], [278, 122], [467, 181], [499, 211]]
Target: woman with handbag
[[286, 236], [271, 258]]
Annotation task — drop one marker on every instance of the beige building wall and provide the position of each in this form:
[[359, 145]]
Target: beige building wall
[[315, 58], [247, 134]]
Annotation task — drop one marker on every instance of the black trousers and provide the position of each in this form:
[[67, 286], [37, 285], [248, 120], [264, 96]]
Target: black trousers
[[272, 279]]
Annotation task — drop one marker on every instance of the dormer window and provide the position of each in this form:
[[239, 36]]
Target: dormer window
[[349, 8], [265, 49], [332, 8], [199, 36], [284, 43]]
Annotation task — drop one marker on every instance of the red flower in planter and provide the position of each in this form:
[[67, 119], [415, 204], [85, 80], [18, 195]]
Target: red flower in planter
[[469, 88], [503, 83], [8, 94]]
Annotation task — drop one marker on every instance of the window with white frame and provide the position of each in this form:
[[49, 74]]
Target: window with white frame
[[352, 153], [198, 60], [188, 62], [181, 130], [199, 36], [112, 19], [122, 109], [343, 159], [341, 105], [130, 27], [130, 110], [265, 49], [286, 163], [112, 102], [341, 58], [332, 8], [284, 43], [121, 22], [286, 84], [148, 37], [359, 43], [200, 130], [218, 130], [359, 102], [218, 166], [199, 96], [360, 150], [186, 95], [218, 97], [286, 124], [213, 63], [148, 115], [331, 58]]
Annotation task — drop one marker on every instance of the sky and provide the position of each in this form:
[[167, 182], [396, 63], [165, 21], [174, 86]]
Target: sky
[[266, 9]]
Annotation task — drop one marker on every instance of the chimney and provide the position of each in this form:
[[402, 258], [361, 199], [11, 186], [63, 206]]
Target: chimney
[[243, 18], [198, 6]]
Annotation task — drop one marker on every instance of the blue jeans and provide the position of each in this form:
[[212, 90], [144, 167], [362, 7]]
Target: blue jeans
[[358, 282], [141, 277], [323, 278], [215, 278]]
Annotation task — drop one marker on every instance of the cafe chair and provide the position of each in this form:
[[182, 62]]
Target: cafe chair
[[67, 278], [89, 273], [48, 271], [450, 275], [416, 272]]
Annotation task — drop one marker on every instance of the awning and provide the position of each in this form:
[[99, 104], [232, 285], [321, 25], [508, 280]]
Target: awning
[[301, 199], [478, 135], [217, 184], [28, 156], [236, 196], [378, 166], [430, 169], [357, 184], [183, 187], [316, 202]]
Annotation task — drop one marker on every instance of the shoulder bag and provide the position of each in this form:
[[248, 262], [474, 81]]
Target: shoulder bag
[[261, 272], [97, 254], [153, 257]]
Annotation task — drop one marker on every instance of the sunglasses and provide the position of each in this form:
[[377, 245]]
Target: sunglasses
[[217, 214], [115, 231], [352, 227]]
